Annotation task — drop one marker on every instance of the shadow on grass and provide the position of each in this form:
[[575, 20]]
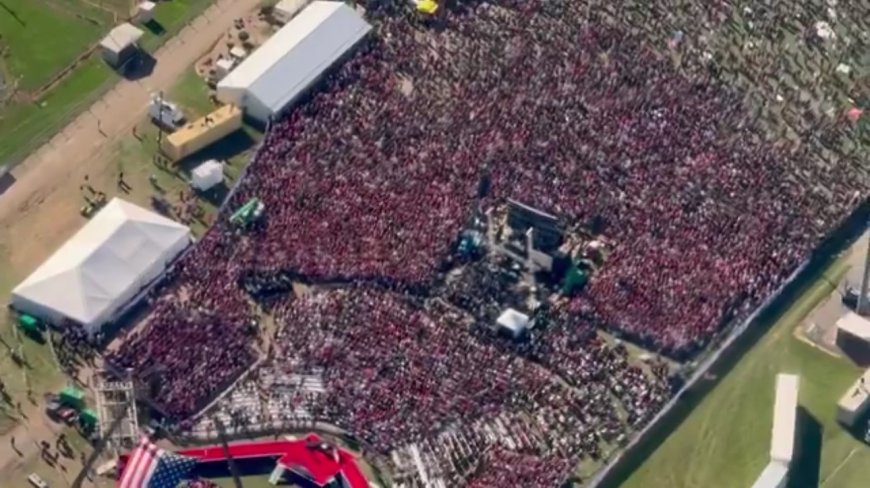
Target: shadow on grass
[[140, 66], [155, 27], [6, 181], [806, 465], [222, 150], [215, 195]]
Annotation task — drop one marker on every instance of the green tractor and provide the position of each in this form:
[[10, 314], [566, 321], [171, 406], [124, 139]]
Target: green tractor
[[248, 213]]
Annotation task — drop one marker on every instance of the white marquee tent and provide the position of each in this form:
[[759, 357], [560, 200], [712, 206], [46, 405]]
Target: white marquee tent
[[291, 60], [207, 175], [784, 418], [102, 267]]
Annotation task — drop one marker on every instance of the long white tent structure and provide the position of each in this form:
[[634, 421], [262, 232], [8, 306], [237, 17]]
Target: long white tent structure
[[288, 63], [784, 418], [102, 267]]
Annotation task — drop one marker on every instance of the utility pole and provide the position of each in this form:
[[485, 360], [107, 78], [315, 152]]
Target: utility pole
[[864, 307]]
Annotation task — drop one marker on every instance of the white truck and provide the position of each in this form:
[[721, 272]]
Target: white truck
[[166, 114]]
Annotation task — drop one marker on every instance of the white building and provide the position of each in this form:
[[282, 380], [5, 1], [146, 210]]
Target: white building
[[514, 323], [853, 337], [855, 402], [280, 70], [102, 267], [784, 418], [207, 175], [775, 475], [119, 45]]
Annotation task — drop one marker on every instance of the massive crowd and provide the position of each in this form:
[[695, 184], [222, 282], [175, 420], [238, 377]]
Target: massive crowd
[[397, 371], [372, 179], [706, 218], [189, 355], [502, 467]]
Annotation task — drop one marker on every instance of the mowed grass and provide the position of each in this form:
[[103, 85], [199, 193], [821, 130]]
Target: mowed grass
[[40, 371], [725, 441], [170, 18], [41, 40], [24, 126]]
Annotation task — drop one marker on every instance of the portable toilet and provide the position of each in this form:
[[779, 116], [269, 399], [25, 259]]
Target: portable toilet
[[72, 397], [29, 324], [89, 419]]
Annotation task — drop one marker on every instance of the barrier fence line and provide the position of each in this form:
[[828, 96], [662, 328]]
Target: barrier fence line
[[699, 373], [840, 234]]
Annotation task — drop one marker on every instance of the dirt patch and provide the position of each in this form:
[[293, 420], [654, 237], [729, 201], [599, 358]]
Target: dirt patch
[[256, 29]]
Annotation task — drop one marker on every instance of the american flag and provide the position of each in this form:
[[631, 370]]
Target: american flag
[[152, 467]]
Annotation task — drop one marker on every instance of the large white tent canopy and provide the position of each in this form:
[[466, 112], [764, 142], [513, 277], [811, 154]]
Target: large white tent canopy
[[292, 59], [102, 267]]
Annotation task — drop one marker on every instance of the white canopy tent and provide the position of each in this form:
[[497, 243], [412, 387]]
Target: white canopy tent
[[207, 175], [784, 418], [120, 43], [854, 325], [513, 322], [102, 267]]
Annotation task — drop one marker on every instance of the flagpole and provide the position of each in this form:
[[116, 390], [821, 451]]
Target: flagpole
[[223, 438], [98, 450]]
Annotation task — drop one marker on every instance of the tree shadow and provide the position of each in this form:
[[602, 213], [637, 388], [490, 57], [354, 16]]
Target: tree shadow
[[806, 464]]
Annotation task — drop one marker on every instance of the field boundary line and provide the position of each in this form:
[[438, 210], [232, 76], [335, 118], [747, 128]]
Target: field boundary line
[[839, 467]]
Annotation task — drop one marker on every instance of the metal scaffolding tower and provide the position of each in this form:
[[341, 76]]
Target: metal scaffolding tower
[[117, 400]]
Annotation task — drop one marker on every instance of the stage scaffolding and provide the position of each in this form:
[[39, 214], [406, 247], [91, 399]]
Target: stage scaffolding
[[117, 399]]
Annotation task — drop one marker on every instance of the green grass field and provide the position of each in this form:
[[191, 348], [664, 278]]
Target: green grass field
[[35, 55], [40, 38], [724, 442], [23, 126]]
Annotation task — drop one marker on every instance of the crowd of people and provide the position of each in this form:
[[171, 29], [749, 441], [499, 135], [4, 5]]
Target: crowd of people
[[373, 177], [383, 163], [393, 374], [189, 356], [502, 467], [397, 371]]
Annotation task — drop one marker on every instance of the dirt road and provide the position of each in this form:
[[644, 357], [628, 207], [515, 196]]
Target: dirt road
[[41, 209]]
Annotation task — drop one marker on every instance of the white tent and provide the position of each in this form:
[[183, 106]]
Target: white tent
[[513, 322], [784, 418], [120, 43], [288, 63], [102, 267], [775, 475], [854, 325], [207, 175]]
